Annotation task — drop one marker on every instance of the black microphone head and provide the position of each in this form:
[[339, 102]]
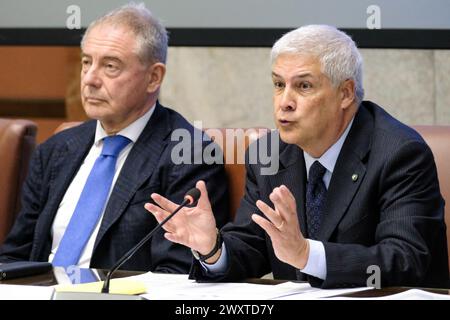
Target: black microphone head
[[192, 195]]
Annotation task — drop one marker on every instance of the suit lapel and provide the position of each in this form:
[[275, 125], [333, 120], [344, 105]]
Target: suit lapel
[[293, 175], [348, 174], [138, 167], [68, 161]]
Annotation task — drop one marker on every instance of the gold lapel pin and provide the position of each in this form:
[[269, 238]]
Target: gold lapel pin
[[354, 177]]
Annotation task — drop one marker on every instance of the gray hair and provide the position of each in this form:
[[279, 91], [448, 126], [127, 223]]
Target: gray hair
[[336, 51], [151, 36]]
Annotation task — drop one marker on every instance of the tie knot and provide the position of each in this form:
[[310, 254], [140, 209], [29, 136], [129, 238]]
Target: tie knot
[[316, 172], [112, 145]]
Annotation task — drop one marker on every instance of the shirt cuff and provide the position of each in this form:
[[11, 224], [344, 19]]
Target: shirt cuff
[[317, 262], [220, 266]]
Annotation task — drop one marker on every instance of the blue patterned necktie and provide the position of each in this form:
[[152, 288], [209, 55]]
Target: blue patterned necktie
[[316, 193], [91, 203]]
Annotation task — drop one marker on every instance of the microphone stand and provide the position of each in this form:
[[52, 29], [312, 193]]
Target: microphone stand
[[133, 250], [191, 196]]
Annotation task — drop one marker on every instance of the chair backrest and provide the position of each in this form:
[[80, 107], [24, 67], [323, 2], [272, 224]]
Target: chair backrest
[[234, 142], [438, 138], [67, 125], [17, 142]]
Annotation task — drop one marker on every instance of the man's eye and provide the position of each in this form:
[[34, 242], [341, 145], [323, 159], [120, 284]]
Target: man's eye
[[112, 69], [305, 85], [85, 63], [278, 84]]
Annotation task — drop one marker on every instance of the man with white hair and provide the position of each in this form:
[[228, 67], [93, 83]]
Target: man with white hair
[[83, 200], [357, 190]]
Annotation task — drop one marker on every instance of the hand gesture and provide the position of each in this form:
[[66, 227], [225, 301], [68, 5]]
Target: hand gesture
[[283, 228], [193, 227]]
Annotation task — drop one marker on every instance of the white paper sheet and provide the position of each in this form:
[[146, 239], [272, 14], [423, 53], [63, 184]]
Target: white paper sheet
[[303, 291], [412, 294], [179, 287], [19, 292]]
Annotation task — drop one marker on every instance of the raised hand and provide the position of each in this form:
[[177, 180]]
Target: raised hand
[[283, 228], [192, 227]]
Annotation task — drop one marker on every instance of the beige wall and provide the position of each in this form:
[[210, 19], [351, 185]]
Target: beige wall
[[231, 87], [224, 87]]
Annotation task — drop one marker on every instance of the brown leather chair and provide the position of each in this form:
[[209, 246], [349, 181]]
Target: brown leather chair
[[235, 161], [438, 138], [17, 142], [67, 125]]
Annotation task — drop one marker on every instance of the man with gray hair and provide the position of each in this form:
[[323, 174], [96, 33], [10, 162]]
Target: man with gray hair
[[357, 190], [83, 200]]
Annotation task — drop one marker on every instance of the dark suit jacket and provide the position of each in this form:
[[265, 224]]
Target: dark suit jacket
[[392, 216], [148, 168]]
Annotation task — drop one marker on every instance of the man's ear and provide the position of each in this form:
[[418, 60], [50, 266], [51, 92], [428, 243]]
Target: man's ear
[[156, 73], [347, 92]]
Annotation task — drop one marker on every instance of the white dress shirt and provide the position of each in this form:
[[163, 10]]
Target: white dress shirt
[[316, 265], [70, 199]]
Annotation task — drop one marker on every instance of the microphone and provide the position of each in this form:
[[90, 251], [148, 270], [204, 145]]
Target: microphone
[[190, 198]]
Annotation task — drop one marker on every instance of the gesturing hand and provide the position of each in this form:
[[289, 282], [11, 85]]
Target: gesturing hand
[[283, 228], [193, 227]]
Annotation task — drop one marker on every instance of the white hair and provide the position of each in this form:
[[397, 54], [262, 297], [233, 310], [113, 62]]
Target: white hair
[[151, 36], [337, 52]]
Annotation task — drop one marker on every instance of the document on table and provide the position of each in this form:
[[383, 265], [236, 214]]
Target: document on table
[[303, 291], [179, 287], [412, 294], [19, 292]]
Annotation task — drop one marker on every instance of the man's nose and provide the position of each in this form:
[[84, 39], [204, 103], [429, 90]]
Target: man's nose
[[288, 102], [91, 77]]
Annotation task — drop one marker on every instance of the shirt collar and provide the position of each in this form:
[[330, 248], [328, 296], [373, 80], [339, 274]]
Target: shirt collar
[[132, 132], [329, 158]]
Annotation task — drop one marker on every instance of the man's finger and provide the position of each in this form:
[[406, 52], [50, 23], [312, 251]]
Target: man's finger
[[174, 238], [282, 205], [287, 194], [273, 216], [164, 203], [203, 202], [160, 215], [268, 227], [155, 210]]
